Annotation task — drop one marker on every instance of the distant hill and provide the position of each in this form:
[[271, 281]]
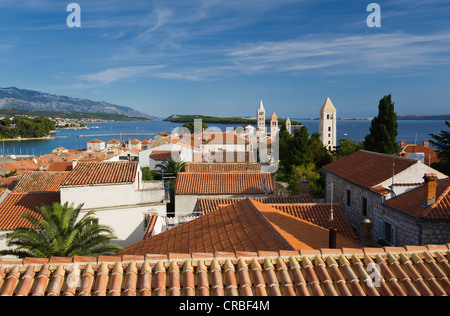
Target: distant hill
[[30, 100], [425, 117], [180, 118]]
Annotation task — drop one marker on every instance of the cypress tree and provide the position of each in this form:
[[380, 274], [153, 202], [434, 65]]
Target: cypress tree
[[384, 129]]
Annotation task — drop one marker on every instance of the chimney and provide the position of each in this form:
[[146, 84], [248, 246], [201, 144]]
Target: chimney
[[426, 143], [74, 163], [332, 238], [303, 187], [430, 188], [366, 232], [402, 144]]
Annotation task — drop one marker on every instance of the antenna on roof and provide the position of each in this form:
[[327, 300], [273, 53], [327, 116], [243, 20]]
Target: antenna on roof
[[332, 230], [331, 207]]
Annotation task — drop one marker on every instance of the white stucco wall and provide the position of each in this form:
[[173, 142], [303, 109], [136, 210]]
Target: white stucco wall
[[186, 155], [413, 174], [120, 206]]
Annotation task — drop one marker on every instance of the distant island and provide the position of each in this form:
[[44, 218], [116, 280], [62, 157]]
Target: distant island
[[444, 117], [177, 118], [30, 100], [424, 117], [26, 128]]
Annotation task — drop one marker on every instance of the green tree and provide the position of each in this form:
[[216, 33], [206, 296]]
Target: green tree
[[191, 126], [309, 172], [384, 129], [171, 167], [57, 232], [347, 146], [442, 144]]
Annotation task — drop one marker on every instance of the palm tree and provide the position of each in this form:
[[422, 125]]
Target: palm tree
[[171, 166], [57, 233], [169, 169]]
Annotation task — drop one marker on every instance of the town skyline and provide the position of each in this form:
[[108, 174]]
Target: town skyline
[[219, 58]]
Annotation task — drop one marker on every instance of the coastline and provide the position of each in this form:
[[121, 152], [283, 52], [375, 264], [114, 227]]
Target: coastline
[[27, 139]]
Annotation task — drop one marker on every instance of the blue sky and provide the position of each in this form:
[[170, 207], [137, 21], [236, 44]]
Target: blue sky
[[219, 57]]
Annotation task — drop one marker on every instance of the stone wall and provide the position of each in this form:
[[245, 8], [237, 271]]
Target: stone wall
[[407, 230]]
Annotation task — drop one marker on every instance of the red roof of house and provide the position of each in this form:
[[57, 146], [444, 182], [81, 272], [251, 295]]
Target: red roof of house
[[224, 183], [430, 154], [319, 272], [243, 226], [209, 204], [319, 214], [60, 166], [222, 167], [163, 155], [16, 204], [94, 173], [368, 169], [411, 202], [97, 141], [40, 181]]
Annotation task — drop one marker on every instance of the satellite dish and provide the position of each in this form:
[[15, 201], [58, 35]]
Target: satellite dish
[[35, 161]]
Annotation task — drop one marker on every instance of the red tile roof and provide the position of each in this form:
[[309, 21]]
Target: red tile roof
[[222, 167], [150, 226], [319, 214], [94, 173], [9, 183], [321, 272], [224, 138], [411, 202], [60, 166], [98, 141], [21, 166], [430, 154], [40, 181], [223, 183], [368, 169], [163, 155], [16, 204], [208, 205], [243, 226]]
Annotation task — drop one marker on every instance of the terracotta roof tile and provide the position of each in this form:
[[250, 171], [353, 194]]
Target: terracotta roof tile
[[319, 214], [280, 274], [222, 167], [223, 183], [411, 202], [162, 155], [430, 155], [97, 141], [16, 204], [368, 169], [94, 173], [40, 181], [243, 226], [207, 205], [60, 166]]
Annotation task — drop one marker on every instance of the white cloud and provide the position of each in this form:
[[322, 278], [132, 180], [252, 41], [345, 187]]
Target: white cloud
[[115, 74]]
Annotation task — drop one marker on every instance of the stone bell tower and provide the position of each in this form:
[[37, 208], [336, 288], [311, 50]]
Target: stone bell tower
[[327, 125]]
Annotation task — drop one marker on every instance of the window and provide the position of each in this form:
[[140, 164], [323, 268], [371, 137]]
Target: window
[[349, 197], [388, 233], [364, 206], [329, 128]]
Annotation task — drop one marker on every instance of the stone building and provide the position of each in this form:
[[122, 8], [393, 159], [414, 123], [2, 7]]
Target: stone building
[[363, 181], [420, 216]]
